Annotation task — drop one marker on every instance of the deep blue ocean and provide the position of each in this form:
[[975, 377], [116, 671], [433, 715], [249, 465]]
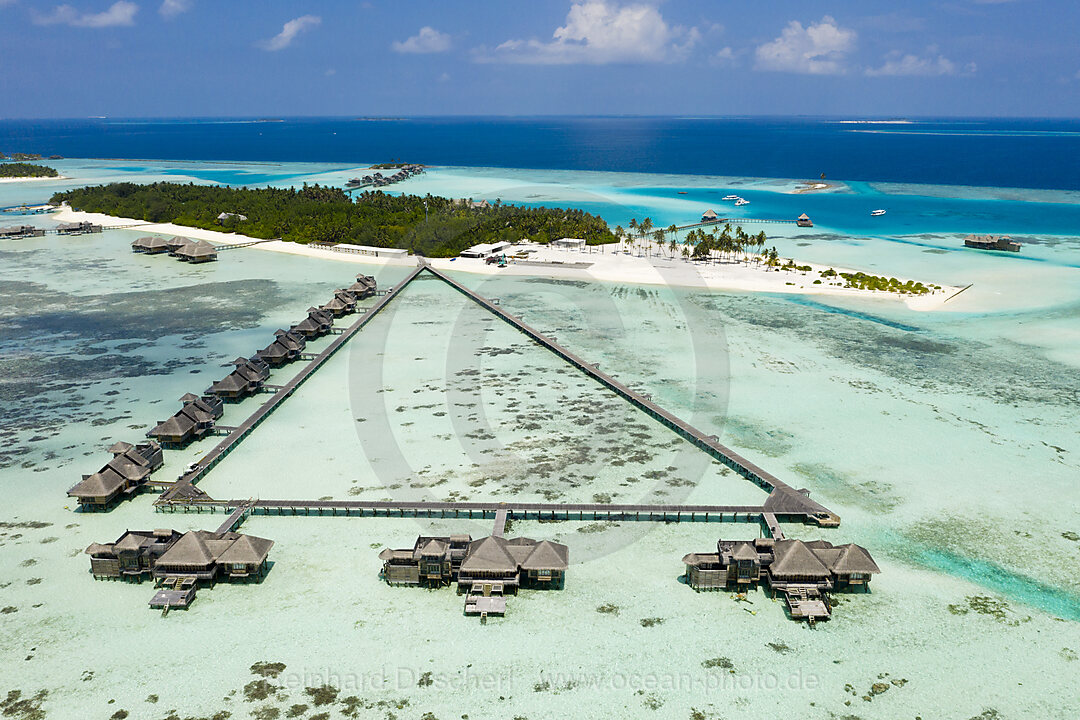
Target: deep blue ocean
[[986, 152]]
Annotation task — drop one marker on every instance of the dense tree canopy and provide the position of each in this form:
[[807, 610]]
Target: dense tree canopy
[[19, 169], [431, 226]]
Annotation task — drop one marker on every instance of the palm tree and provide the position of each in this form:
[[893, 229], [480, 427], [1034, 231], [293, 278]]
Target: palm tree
[[658, 235], [645, 226], [673, 246], [686, 251]]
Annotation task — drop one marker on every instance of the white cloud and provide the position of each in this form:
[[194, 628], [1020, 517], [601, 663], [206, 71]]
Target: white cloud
[[598, 32], [172, 8], [723, 56], [817, 49], [907, 64], [119, 13], [428, 40], [289, 31]]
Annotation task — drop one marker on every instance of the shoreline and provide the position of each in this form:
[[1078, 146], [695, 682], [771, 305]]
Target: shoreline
[[31, 179], [608, 263]]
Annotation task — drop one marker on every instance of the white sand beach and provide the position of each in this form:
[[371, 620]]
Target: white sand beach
[[32, 179], [611, 263]]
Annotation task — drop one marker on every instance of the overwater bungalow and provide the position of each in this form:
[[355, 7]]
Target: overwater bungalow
[[342, 303], [804, 221], [992, 242], [709, 216], [121, 477], [77, 228], [175, 243], [150, 245], [246, 379], [317, 324], [364, 287], [287, 346], [193, 421], [132, 556], [804, 571], [15, 232], [199, 251], [493, 560]]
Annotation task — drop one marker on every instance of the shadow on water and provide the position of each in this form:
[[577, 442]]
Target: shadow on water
[[1055, 601], [815, 305]]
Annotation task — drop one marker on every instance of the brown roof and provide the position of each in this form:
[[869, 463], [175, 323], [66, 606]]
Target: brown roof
[[793, 557], [189, 551], [547, 555], [488, 554], [854, 559], [246, 549], [744, 551]]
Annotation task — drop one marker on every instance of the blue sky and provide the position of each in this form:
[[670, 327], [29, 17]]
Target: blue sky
[[473, 57]]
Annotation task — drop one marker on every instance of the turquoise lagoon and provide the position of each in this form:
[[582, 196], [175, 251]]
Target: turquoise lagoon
[[946, 440]]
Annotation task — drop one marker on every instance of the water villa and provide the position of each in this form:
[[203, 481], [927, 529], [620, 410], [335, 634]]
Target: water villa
[[77, 228], [199, 251], [804, 221], [317, 324], [150, 245], [287, 347], [484, 570], [342, 303], [193, 421], [180, 563], [246, 379], [175, 243], [121, 477], [992, 242], [804, 571], [16, 232], [364, 287], [709, 216]]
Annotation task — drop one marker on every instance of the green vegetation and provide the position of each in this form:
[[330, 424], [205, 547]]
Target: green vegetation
[[19, 157], [862, 281], [431, 226], [21, 169]]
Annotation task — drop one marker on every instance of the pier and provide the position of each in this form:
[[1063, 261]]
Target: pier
[[784, 503], [226, 446]]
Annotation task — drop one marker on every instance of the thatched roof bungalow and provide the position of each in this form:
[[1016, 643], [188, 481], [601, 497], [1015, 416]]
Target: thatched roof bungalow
[[287, 346], [246, 379], [199, 251], [193, 421], [121, 477]]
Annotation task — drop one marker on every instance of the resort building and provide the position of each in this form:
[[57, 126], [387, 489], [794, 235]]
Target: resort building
[[150, 245], [804, 571], [484, 570], [569, 243], [230, 216], [193, 421], [317, 324], [77, 228], [286, 347], [342, 303], [484, 250], [364, 287], [199, 251], [180, 563], [121, 477], [804, 221], [14, 232], [709, 216], [992, 242], [246, 379], [175, 243]]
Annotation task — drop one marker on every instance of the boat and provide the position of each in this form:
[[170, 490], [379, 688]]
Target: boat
[[732, 197], [741, 201], [682, 192], [877, 213]]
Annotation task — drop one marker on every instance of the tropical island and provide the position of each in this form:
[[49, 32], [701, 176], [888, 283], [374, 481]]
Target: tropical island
[[26, 170], [430, 225]]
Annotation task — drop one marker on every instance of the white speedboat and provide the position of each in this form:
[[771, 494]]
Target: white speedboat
[[877, 213], [732, 197], [740, 201]]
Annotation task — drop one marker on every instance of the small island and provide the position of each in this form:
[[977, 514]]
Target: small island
[[430, 225], [26, 170]]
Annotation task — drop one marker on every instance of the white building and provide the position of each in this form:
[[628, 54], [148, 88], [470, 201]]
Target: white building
[[484, 250], [569, 243]]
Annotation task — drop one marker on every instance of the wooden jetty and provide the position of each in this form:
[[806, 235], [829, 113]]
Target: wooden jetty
[[784, 503], [212, 458]]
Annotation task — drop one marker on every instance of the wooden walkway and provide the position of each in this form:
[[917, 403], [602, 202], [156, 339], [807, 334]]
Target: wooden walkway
[[222, 449], [788, 500], [783, 502], [500, 523]]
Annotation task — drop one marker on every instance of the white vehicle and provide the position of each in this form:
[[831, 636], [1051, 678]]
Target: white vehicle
[[732, 197], [877, 213], [740, 201]]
